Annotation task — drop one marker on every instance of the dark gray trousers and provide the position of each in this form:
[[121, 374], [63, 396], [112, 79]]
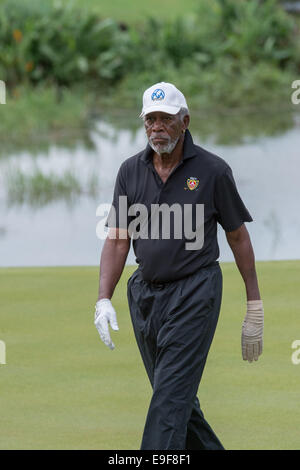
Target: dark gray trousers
[[174, 325]]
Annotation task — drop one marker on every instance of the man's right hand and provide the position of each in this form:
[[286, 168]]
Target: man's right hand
[[105, 314]]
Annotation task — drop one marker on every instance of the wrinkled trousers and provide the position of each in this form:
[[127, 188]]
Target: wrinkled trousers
[[174, 324]]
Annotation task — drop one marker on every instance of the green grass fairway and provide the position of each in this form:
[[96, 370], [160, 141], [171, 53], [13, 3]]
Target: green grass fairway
[[61, 388]]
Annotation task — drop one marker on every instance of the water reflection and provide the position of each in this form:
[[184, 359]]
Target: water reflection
[[15, 144], [266, 168]]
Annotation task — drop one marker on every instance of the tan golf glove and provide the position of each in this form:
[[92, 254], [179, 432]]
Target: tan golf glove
[[252, 331]]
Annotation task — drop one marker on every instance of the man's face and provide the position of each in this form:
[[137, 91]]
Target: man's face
[[163, 131]]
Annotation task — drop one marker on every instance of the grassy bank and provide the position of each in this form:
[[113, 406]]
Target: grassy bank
[[134, 11], [37, 189], [63, 389], [34, 120], [62, 63], [36, 113]]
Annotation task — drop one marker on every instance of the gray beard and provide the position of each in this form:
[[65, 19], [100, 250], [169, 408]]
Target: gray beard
[[167, 148]]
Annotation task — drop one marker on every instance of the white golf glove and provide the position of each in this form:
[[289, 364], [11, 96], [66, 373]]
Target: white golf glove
[[105, 314], [252, 331]]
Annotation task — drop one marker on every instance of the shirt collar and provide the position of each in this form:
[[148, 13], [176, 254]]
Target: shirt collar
[[189, 149]]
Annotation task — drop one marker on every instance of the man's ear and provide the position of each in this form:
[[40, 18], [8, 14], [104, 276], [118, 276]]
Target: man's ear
[[186, 121]]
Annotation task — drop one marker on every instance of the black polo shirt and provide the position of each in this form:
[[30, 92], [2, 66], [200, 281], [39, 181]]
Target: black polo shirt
[[200, 178]]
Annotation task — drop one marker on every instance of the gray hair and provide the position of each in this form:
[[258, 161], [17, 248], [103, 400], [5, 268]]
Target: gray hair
[[182, 113]]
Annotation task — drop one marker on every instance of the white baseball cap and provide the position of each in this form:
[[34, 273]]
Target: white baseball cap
[[163, 97]]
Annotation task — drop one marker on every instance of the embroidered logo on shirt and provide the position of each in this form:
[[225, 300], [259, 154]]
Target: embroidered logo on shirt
[[192, 183]]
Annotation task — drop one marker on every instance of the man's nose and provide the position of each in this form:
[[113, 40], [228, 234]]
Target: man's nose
[[157, 125]]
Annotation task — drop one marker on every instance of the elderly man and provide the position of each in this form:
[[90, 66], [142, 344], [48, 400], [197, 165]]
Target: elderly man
[[175, 293]]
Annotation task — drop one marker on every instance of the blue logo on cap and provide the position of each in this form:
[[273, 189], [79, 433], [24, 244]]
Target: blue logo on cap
[[158, 94]]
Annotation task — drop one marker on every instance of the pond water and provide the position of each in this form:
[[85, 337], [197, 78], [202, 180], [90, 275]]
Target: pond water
[[62, 231]]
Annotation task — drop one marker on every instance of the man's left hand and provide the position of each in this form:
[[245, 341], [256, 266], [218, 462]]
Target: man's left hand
[[252, 331]]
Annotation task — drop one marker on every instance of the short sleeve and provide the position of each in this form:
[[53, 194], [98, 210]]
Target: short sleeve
[[118, 215], [231, 211]]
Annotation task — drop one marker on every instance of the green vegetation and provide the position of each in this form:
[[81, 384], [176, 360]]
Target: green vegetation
[[63, 45], [131, 12], [216, 51], [63, 389], [36, 113], [38, 189], [224, 127], [134, 11]]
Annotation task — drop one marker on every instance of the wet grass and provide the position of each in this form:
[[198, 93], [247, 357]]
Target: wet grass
[[43, 113], [38, 189]]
